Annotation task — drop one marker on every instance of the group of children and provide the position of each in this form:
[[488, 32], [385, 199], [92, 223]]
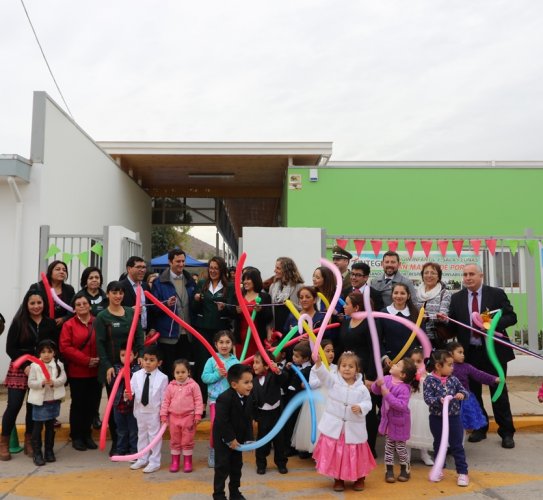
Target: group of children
[[410, 417]]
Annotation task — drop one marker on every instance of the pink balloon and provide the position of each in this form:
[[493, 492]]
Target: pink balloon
[[48, 289], [423, 338], [147, 449], [331, 309], [109, 406], [439, 461], [28, 357], [60, 302], [373, 332], [309, 320]]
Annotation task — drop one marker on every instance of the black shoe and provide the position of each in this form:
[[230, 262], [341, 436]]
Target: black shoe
[[113, 451], [237, 496], [79, 445], [261, 470], [304, 455], [282, 470], [89, 443], [508, 442], [49, 456], [37, 458], [97, 423], [477, 436]]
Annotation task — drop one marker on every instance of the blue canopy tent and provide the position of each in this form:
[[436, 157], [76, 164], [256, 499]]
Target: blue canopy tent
[[162, 261]]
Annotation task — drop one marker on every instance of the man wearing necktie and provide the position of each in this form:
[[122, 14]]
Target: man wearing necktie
[[135, 272], [390, 276], [477, 297]]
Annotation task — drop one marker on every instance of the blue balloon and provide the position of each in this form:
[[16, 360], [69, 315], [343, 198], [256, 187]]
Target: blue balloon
[[341, 302], [309, 393], [293, 404]]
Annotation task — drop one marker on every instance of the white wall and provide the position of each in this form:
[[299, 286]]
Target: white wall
[[264, 245]]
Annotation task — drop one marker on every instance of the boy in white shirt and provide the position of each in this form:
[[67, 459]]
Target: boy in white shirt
[[148, 387]]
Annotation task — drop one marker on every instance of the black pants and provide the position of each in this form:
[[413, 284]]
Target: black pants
[[49, 435], [228, 463], [84, 394], [477, 356], [111, 422], [266, 420], [372, 422], [16, 398]]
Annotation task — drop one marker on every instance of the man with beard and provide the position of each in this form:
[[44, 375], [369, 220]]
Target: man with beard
[[390, 276]]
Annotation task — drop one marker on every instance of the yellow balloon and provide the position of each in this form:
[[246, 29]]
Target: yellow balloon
[[410, 339], [296, 314]]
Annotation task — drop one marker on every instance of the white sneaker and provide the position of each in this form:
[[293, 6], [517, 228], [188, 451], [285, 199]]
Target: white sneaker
[[151, 468], [463, 480], [138, 464], [426, 458]]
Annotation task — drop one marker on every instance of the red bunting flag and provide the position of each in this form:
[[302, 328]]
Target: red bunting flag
[[342, 243], [443, 244], [410, 246], [491, 245], [359, 245], [376, 245], [426, 246], [392, 245], [476, 245], [458, 246]]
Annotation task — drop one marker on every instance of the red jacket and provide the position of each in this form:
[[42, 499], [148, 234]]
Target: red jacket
[[73, 335]]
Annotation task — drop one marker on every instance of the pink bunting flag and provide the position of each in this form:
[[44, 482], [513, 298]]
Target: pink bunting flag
[[491, 245], [341, 243], [359, 245], [376, 245], [426, 246], [442, 245], [392, 245], [458, 245], [476, 245], [410, 246]]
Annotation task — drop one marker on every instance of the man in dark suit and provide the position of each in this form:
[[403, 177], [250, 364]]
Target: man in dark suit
[[135, 272], [478, 297], [341, 259], [360, 273]]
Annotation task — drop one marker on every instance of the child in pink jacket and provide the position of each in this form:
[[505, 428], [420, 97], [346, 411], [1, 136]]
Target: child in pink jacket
[[183, 405]]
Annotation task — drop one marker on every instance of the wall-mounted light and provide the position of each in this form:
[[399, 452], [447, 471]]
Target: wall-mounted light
[[313, 174]]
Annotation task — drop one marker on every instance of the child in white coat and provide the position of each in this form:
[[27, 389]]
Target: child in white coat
[[342, 451]]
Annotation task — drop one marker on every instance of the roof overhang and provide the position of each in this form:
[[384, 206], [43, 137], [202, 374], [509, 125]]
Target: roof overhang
[[15, 166]]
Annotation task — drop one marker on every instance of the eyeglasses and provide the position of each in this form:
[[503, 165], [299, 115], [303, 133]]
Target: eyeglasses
[[140, 267], [359, 275]]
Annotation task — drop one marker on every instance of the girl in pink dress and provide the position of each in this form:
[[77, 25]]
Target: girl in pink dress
[[342, 451]]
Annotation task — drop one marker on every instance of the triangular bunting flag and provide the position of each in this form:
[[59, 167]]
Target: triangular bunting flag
[[491, 245], [341, 243], [84, 258], [67, 258], [53, 250], [359, 245], [410, 246], [442, 245], [513, 246], [376, 245], [98, 249], [532, 246], [426, 246], [392, 245], [458, 245], [476, 245]]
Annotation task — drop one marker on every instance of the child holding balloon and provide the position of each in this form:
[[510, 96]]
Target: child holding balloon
[[342, 450], [216, 381], [395, 415], [45, 396], [438, 384]]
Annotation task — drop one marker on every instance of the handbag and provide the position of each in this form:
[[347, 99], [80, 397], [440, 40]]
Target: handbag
[[442, 330]]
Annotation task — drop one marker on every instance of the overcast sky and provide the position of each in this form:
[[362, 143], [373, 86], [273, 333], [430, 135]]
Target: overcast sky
[[382, 79]]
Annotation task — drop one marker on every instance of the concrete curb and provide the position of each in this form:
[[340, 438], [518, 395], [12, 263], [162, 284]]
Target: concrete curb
[[523, 423]]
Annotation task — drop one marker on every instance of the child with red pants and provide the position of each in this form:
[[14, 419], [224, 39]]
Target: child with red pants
[[183, 405]]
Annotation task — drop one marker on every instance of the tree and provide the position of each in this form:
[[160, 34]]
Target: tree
[[164, 238]]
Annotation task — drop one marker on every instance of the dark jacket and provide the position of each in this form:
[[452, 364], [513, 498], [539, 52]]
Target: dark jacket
[[163, 289], [17, 347], [66, 296], [129, 299], [375, 296], [493, 298], [233, 420], [270, 391], [358, 340], [207, 314]]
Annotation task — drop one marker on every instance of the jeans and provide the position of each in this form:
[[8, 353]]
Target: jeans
[[127, 432]]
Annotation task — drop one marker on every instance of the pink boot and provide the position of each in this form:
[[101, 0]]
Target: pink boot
[[187, 463], [175, 463]]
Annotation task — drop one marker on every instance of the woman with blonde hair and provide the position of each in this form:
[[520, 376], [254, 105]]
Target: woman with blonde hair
[[287, 282]]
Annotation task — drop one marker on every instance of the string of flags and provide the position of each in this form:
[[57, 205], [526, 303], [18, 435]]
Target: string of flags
[[442, 245], [66, 257]]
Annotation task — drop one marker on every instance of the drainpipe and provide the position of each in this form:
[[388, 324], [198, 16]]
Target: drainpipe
[[18, 236]]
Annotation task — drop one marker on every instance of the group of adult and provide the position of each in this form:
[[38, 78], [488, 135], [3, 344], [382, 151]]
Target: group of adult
[[91, 337]]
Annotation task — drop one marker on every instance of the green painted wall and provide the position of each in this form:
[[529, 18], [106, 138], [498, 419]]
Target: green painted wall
[[423, 202]]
